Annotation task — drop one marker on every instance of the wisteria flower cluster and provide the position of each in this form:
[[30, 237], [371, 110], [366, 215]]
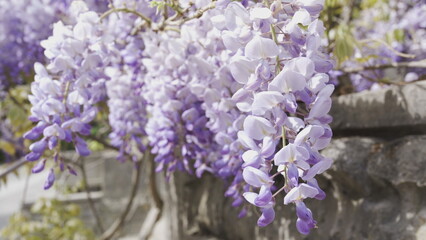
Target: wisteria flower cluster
[[236, 89], [286, 98], [23, 24], [65, 92]]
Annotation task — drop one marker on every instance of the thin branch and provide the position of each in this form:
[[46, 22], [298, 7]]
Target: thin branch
[[171, 29], [277, 59], [13, 167], [89, 197], [389, 47], [111, 5], [385, 81], [156, 212], [277, 173], [24, 195], [118, 223], [413, 64], [198, 14], [277, 192], [126, 10], [158, 202]]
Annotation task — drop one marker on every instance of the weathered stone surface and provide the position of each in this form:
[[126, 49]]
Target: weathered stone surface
[[401, 161], [397, 106], [351, 157], [362, 202]]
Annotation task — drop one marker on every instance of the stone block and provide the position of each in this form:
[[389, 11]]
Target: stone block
[[370, 195], [401, 108], [401, 161]]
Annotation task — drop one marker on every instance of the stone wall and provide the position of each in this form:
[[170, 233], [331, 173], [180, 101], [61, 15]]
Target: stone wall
[[375, 189]]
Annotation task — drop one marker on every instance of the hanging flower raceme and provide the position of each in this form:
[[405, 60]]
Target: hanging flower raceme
[[23, 24], [177, 128], [126, 72], [277, 58], [212, 83], [65, 92]]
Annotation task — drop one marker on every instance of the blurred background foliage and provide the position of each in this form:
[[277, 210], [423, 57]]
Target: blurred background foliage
[[48, 219]]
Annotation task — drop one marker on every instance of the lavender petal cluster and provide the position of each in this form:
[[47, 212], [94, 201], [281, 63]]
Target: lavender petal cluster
[[177, 128], [213, 84], [23, 25], [126, 74], [278, 60], [236, 89], [64, 93]]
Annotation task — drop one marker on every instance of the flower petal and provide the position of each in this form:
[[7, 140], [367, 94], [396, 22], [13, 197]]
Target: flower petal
[[260, 47], [258, 127], [256, 177], [265, 101], [299, 193]]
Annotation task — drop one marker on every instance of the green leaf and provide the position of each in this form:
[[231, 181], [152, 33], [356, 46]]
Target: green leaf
[[95, 146], [303, 27], [50, 220], [7, 147], [399, 35], [365, 4], [345, 44], [17, 116]]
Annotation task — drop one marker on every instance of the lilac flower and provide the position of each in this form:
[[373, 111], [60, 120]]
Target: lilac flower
[[177, 130], [265, 101], [64, 92], [258, 127], [240, 92], [256, 177], [23, 24], [300, 192], [268, 215], [39, 166], [292, 154], [260, 47], [50, 179], [277, 73]]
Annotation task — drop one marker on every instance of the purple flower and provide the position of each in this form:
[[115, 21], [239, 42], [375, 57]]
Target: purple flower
[[39, 166], [300, 192], [292, 154], [260, 47], [38, 147], [50, 180], [32, 156], [287, 81], [81, 147], [258, 127], [268, 215], [256, 177], [265, 101]]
